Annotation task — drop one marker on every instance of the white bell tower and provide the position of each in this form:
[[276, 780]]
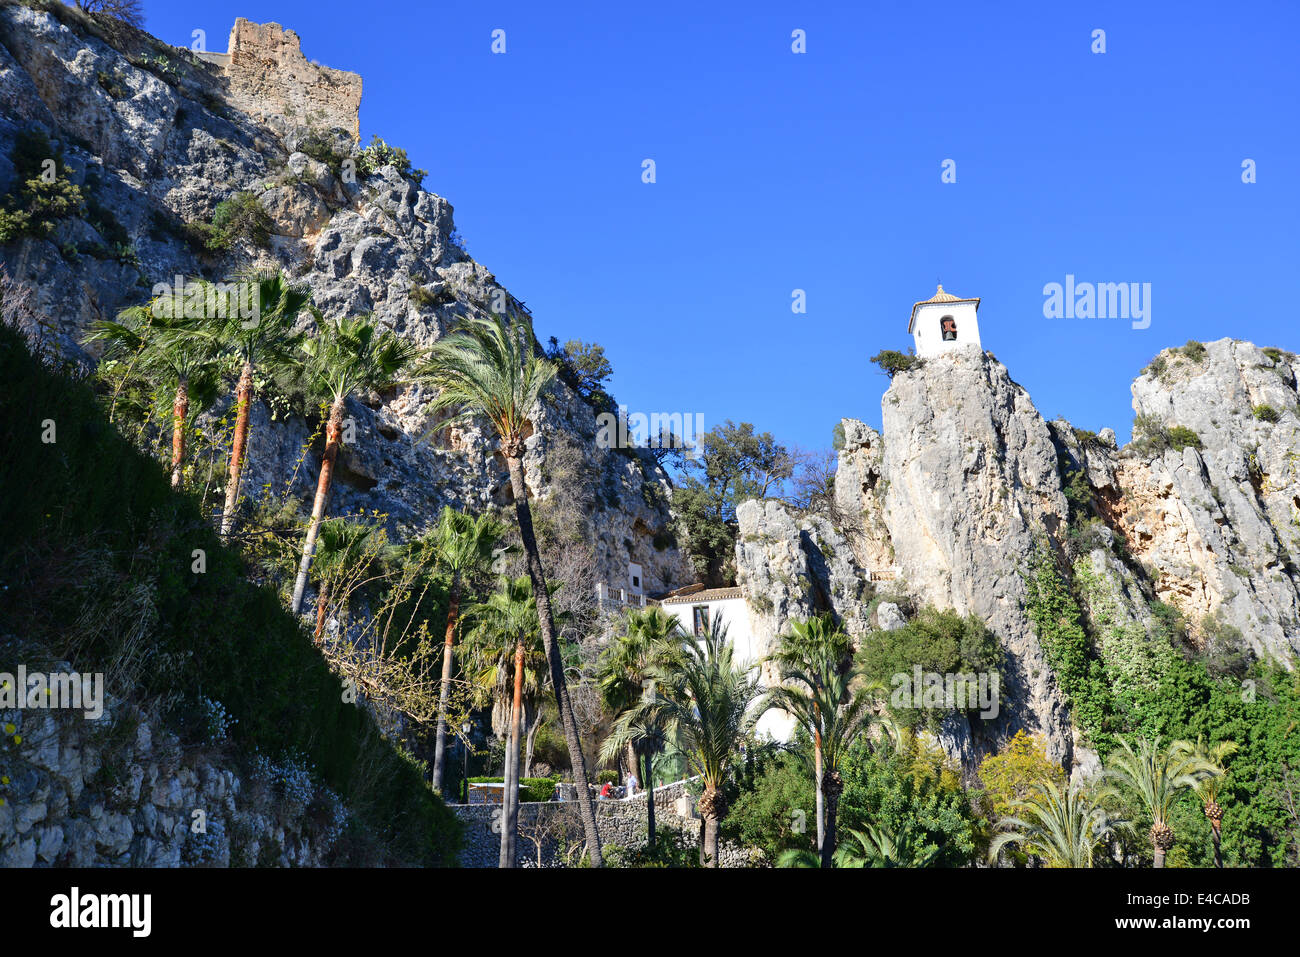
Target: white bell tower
[[944, 322]]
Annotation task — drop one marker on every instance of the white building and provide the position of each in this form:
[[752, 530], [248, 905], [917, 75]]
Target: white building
[[944, 322], [696, 610]]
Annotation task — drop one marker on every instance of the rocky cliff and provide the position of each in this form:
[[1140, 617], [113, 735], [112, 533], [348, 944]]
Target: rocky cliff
[[156, 138], [947, 508]]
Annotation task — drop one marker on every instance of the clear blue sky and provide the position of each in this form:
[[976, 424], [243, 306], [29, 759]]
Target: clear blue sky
[[821, 172]]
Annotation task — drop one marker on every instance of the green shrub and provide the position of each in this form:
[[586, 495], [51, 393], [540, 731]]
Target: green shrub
[[607, 776], [1181, 437], [379, 154], [40, 200], [1266, 413], [1194, 350], [941, 642], [1277, 355], [1157, 367], [892, 362], [241, 217], [1150, 435]]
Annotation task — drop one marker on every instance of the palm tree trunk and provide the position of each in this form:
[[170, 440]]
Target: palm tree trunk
[[444, 695], [817, 773], [650, 802], [832, 785], [529, 739], [243, 399], [180, 411], [510, 832], [546, 624], [1216, 837], [333, 439], [322, 604]]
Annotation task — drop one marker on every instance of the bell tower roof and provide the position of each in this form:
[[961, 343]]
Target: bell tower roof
[[939, 297]]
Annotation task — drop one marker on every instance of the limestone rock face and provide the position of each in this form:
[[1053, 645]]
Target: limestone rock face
[[157, 137], [1220, 525], [972, 479]]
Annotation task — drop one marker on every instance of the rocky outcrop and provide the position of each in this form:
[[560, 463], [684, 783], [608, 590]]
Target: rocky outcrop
[[1218, 527], [157, 140], [972, 481]]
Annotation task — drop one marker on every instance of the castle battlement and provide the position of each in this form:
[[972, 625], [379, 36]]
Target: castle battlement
[[269, 77]]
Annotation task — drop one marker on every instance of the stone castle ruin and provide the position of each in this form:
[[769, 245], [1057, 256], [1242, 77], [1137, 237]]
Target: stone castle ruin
[[269, 77]]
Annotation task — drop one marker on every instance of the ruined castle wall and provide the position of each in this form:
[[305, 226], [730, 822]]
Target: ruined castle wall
[[270, 77]]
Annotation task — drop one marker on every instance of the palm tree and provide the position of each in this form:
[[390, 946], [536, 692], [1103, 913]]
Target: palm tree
[[1156, 775], [815, 667], [344, 548], [160, 340], [510, 663], [491, 368], [1064, 828], [264, 339], [463, 546], [350, 355], [705, 702], [875, 847], [650, 636], [1207, 784]]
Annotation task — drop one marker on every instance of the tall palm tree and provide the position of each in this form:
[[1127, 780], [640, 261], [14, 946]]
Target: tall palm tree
[[159, 338], [463, 547], [350, 355], [814, 661], [344, 548], [491, 368], [1211, 757], [649, 637], [1156, 775], [264, 339], [707, 704], [1063, 827], [510, 663]]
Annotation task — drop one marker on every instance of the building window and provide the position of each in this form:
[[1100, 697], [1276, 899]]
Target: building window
[[700, 619], [636, 581], [949, 327]]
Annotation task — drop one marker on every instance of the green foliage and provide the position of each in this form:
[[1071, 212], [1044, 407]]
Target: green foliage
[[607, 776], [911, 794], [941, 642], [1275, 354], [1266, 413], [1150, 436], [1181, 437], [582, 366], [380, 154], [241, 217], [1194, 350], [733, 463], [837, 436], [322, 148], [1056, 613], [1013, 772], [101, 538], [892, 362], [776, 809], [43, 195]]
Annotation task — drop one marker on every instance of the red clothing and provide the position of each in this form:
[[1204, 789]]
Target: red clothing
[[604, 792]]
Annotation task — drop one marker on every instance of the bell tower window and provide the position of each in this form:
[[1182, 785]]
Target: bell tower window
[[948, 326]]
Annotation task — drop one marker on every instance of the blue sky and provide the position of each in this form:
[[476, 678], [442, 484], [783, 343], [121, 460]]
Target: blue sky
[[821, 172]]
